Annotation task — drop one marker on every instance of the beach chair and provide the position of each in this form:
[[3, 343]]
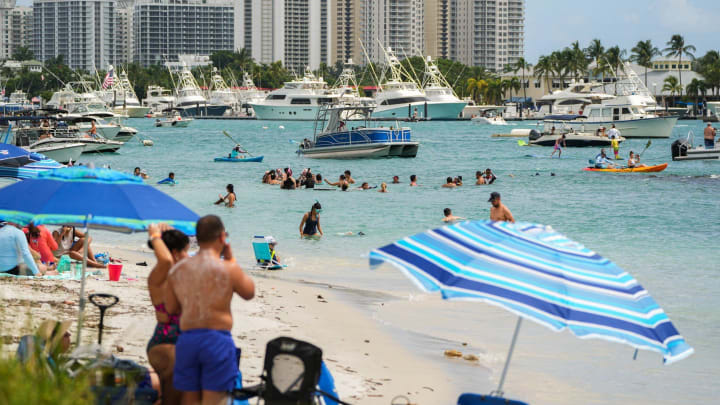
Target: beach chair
[[263, 256], [479, 399]]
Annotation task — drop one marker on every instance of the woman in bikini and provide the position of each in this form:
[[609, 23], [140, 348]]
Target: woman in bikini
[[229, 198], [170, 246]]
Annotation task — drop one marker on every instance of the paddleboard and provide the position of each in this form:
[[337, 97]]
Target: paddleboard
[[543, 156]]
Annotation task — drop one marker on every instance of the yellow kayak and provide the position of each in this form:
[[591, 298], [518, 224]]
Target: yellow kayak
[[644, 169]]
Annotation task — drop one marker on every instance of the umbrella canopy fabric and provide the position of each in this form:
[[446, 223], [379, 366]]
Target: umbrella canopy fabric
[[100, 198], [539, 274], [13, 156]]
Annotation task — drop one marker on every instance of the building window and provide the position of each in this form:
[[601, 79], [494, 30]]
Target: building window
[[537, 84]]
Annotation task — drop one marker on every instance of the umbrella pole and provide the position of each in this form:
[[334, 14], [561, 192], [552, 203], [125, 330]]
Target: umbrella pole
[[499, 391], [82, 282]]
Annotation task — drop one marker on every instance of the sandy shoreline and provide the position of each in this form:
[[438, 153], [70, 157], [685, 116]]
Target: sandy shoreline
[[369, 366]]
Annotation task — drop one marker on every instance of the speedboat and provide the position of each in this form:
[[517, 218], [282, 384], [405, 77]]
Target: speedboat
[[334, 139], [572, 139], [190, 98], [249, 94], [682, 149], [297, 100], [62, 153], [158, 99], [489, 120], [173, 118]]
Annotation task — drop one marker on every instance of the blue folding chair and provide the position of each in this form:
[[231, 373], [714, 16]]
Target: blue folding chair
[[264, 257], [479, 399]]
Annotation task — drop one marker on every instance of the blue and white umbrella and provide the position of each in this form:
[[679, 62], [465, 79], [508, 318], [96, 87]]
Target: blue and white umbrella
[[538, 274], [13, 156]]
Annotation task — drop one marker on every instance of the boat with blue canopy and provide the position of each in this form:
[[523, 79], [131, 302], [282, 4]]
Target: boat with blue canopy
[[342, 132]]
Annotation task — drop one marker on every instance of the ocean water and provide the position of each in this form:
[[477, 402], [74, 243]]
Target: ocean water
[[663, 228]]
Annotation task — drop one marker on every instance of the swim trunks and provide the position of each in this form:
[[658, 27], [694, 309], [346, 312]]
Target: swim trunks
[[205, 359]]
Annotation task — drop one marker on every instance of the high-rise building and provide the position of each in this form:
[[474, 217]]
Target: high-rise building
[[486, 33], [83, 32], [397, 24], [164, 29], [124, 35], [437, 28], [15, 27], [295, 32]]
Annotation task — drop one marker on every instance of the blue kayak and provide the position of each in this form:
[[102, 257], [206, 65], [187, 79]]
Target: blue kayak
[[238, 160]]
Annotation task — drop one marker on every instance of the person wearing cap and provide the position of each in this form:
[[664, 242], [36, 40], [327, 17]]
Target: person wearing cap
[[274, 258], [143, 174], [498, 211], [13, 245]]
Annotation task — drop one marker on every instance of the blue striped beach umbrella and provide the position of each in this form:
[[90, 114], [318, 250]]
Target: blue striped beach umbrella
[[92, 198], [538, 274]]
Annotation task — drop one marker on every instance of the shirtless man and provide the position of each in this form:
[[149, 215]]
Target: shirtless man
[[449, 217], [498, 211], [413, 180], [709, 136], [449, 183], [201, 289], [342, 182], [348, 177]]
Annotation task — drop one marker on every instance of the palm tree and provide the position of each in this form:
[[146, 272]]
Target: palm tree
[[671, 84], [578, 60], [544, 70], [695, 88], [512, 84], [677, 47], [521, 64], [595, 51], [495, 90], [477, 89], [643, 53]]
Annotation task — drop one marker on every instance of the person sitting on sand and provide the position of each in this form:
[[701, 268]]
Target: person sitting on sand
[[480, 178], [13, 245], [383, 188], [41, 241], [498, 210], [170, 247], [229, 198], [310, 224], [449, 217], [396, 180], [342, 181], [489, 176], [413, 180], [200, 288], [274, 258], [71, 242], [449, 183]]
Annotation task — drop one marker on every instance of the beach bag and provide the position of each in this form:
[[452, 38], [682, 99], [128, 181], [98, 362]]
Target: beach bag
[[291, 372]]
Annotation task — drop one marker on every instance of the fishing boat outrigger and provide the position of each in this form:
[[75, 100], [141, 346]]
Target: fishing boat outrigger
[[336, 139]]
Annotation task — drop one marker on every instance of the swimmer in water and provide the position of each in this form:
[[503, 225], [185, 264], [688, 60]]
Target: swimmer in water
[[310, 224], [396, 180], [383, 188], [449, 183], [413, 180], [229, 198], [498, 211], [449, 217]]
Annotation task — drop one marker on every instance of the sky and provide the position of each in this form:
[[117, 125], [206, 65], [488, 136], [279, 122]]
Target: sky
[[554, 24]]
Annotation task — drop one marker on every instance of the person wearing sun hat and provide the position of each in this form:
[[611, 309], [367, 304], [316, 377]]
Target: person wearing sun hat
[[274, 258]]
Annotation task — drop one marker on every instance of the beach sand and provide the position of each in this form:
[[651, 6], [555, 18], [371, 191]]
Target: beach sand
[[369, 365]]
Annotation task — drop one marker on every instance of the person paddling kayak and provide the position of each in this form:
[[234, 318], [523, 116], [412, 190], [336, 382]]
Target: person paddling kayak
[[602, 161]]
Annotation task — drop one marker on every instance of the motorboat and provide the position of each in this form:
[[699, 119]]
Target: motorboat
[[682, 149], [121, 97], [297, 100], [249, 94], [438, 90], [627, 109], [488, 120], [189, 97], [399, 96], [220, 93], [16, 102], [125, 134], [572, 139], [55, 129], [85, 123], [345, 90], [62, 153], [336, 139], [158, 99], [25, 133], [173, 118]]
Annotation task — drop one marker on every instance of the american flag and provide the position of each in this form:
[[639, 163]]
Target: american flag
[[108, 79]]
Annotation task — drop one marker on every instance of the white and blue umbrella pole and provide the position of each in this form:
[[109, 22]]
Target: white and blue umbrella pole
[[82, 281], [499, 392]]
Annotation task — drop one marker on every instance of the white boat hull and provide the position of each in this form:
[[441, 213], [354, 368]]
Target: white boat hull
[[174, 123], [657, 127], [134, 111], [285, 113], [435, 110], [488, 121], [60, 153]]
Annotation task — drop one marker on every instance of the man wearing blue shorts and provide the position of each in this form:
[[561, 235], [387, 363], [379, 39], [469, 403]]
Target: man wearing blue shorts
[[201, 288]]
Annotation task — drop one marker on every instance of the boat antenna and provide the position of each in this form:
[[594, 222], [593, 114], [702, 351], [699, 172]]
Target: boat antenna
[[54, 75], [370, 64], [414, 75]]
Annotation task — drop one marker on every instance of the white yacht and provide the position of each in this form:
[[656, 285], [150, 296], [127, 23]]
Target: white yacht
[[299, 99], [400, 98], [121, 97], [221, 94], [437, 89], [248, 94], [189, 97], [627, 111], [158, 99]]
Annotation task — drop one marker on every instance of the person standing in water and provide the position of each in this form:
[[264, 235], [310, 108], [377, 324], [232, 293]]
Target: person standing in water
[[498, 211], [558, 147], [310, 224], [201, 288], [229, 198], [413, 180]]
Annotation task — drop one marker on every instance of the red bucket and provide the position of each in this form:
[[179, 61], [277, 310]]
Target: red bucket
[[114, 271]]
